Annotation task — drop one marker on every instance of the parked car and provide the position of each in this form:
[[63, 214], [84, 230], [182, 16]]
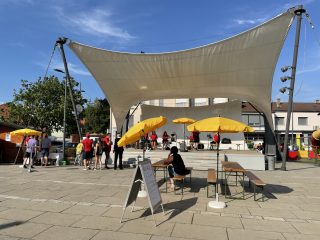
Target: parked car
[[70, 148]]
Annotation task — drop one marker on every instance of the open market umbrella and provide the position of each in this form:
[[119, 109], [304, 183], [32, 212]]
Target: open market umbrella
[[219, 125], [24, 132], [137, 131], [141, 128], [184, 121]]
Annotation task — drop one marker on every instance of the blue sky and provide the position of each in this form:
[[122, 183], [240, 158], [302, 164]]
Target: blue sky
[[31, 27]]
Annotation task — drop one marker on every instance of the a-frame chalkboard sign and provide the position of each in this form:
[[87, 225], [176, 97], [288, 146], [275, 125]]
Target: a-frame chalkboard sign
[[144, 175]]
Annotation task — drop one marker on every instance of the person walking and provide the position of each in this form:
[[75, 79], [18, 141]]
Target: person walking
[[107, 149], [45, 147], [97, 154], [87, 155], [31, 151], [79, 154], [118, 152]]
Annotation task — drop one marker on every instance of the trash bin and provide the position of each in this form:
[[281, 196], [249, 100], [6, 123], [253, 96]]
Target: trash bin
[[271, 162]]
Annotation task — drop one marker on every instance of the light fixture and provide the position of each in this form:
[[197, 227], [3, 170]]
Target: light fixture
[[58, 70], [285, 78], [286, 68], [284, 89]]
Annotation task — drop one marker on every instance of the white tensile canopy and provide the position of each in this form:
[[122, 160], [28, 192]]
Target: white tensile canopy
[[240, 67]]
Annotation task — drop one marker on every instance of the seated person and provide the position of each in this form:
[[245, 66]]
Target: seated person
[[176, 165]]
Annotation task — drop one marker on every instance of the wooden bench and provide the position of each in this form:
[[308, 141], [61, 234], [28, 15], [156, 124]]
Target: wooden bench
[[211, 179], [180, 178], [257, 182]]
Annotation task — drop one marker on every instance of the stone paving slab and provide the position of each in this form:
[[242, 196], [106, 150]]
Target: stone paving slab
[[25, 230], [102, 223], [191, 231], [19, 214], [110, 235], [217, 221], [295, 236], [268, 226], [57, 219], [66, 233], [86, 210], [146, 227], [68, 203], [244, 234]]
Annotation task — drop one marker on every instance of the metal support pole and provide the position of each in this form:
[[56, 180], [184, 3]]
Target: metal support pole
[[299, 11], [61, 42]]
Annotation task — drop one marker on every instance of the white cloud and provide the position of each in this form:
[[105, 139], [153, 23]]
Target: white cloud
[[293, 4], [309, 69], [16, 2], [73, 68], [249, 21], [95, 22]]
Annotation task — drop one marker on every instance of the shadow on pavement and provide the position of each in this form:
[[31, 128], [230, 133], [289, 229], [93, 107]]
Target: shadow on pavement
[[10, 224]]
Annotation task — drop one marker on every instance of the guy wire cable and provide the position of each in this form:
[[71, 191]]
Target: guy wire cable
[[54, 48]]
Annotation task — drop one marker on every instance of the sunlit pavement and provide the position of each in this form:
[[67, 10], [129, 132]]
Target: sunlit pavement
[[69, 203]]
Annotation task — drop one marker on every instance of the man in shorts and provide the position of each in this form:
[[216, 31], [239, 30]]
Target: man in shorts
[[31, 151], [45, 147], [87, 154]]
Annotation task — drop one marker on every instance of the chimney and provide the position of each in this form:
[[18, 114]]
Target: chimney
[[278, 102]]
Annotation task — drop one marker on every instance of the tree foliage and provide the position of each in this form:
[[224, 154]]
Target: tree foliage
[[40, 104], [97, 116]]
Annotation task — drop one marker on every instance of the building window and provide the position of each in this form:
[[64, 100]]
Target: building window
[[254, 120], [182, 102], [279, 121], [245, 119], [200, 101], [302, 121]]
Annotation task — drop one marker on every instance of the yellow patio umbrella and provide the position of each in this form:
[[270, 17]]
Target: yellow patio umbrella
[[141, 128], [184, 121], [25, 131], [219, 125]]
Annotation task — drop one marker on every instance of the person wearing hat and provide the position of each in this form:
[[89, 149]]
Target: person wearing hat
[[118, 152]]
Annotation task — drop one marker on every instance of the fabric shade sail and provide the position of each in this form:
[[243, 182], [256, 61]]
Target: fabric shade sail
[[240, 67]]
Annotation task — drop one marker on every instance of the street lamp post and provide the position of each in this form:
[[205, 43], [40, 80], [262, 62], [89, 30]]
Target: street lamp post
[[64, 114], [299, 11]]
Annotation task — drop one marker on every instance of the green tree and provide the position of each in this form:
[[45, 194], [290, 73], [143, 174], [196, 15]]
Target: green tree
[[97, 116], [40, 104]]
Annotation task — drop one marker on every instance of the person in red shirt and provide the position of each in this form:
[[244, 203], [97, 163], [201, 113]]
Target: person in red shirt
[[107, 149], [216, 138], [154, 138], [87, 154]]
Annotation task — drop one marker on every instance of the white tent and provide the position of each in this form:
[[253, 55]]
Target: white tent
[[240, 67]]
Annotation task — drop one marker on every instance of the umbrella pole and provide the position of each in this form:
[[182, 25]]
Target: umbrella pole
[[24, 137], [142, 192], [184, 137], [216, 203]]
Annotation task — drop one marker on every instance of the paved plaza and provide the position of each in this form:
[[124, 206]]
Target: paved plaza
[[69, 203]]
